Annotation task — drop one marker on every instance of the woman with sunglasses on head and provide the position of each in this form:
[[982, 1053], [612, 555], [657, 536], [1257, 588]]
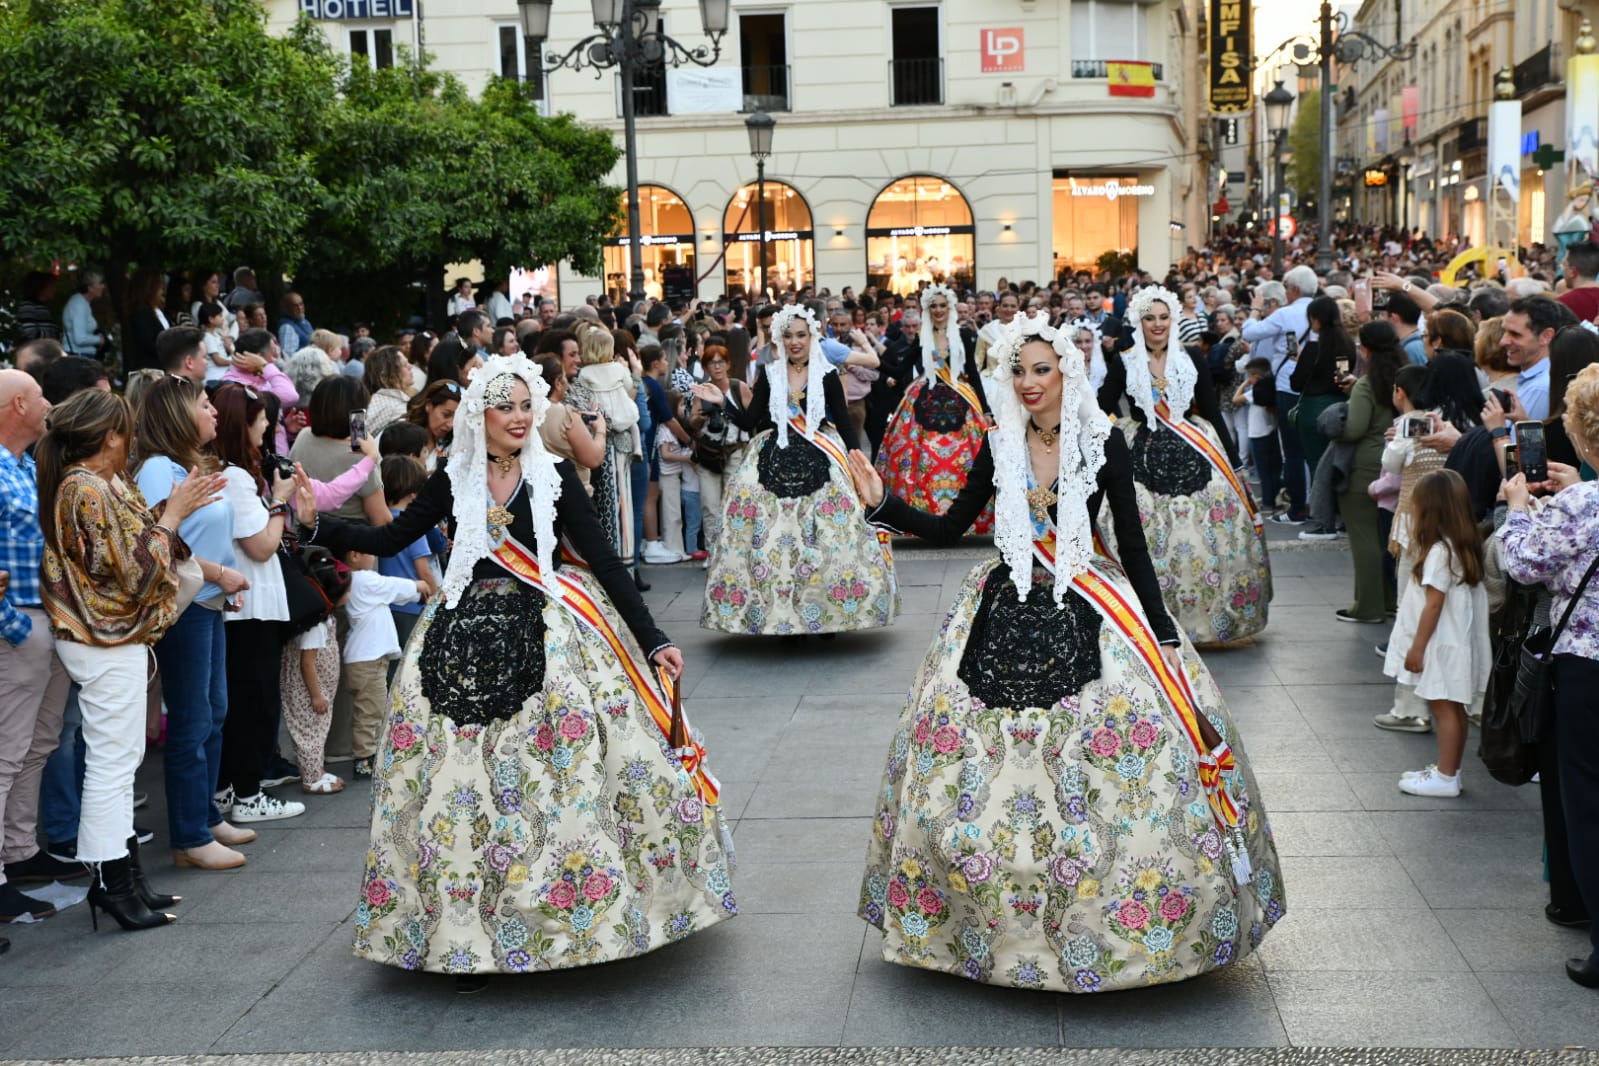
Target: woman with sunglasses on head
[[1066, 805], [1205, 534], [939, 424]]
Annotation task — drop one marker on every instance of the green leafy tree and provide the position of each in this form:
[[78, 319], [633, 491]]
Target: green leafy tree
[[415, 173], [162, 132], [1305, 139]]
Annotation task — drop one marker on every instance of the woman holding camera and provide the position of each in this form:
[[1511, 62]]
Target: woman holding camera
[[1371, 412], [258, 499]]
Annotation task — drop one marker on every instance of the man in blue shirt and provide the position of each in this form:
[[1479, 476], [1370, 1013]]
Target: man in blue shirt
[[1530, 324], [661, 414], [1405, 314], [1278, 331], [34, 694], [81, 333]]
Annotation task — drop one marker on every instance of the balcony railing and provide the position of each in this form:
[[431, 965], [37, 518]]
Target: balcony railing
[[916, 81], [1095, 68], [1473, 134], [766, 88], [1534, 72], [649, 96]]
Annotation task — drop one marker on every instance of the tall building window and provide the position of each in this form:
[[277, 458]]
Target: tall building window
[[920, 230], [513, 60], [666, 241], [1105, 29], [375, 47], [790, 240], [763, 55], [916, 71]]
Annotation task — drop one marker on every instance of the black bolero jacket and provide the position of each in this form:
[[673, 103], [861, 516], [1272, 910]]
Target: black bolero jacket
[[758, 415], [1115, 482], [1115, 387], [575, 519]]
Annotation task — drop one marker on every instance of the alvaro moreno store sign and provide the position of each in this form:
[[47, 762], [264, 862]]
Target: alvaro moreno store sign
[[1112, 190]]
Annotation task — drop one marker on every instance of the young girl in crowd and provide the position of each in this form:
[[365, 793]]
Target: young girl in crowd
[[1404, 457], [1440, 639], [218, 345], [310, 679], [403, 478], [369, 646], [1261, 420]]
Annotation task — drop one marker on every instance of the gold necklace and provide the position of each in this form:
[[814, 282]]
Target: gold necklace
[[505, 463], [1047, 437]]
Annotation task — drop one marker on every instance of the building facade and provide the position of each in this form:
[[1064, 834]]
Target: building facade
[[963, 139]]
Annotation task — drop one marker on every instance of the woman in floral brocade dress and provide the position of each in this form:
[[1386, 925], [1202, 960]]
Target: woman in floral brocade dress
[[795, 555], [1043, 820], [1208, 550], [937, 429], [529, 811]]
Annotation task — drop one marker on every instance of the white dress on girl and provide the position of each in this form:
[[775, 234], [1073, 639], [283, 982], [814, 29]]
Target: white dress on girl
[[1458, 657]]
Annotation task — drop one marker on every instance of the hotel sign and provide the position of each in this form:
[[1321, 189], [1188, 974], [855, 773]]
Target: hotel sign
[[339, 10], [1231, 57]]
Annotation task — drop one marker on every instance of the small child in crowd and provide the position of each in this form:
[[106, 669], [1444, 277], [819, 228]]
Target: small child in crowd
[[1440, 639], [1264, 450], [218, 345], [309, 680], [368, 647], [680, 494], [403, 478]]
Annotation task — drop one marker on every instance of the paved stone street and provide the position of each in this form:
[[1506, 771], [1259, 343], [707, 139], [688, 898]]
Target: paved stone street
[[1412, 923]]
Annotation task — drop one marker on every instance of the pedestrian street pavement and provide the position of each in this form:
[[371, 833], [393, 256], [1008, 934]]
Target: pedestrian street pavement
[[1412, 923]]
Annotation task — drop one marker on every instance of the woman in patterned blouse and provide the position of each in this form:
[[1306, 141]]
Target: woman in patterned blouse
[[1555, 546], [110, 589]]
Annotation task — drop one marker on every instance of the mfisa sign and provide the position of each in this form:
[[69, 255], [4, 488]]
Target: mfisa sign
[[1231, 56]]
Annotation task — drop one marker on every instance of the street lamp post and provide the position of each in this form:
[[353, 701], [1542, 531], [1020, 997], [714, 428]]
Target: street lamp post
[[631, 40], [760, 126], [1278, 103]]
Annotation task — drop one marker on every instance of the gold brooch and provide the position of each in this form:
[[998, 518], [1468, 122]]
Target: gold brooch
[[500, 519], [1039, 501]]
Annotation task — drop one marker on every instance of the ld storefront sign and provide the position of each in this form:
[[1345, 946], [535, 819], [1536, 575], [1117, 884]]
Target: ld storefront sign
[[337, 10], [1231, 57], [1003, 51]]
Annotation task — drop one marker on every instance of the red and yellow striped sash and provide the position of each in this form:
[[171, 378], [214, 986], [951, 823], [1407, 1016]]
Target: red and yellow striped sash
[[1217, 458], [834, 451], [524, 565], [967, 393], [1130, 625]]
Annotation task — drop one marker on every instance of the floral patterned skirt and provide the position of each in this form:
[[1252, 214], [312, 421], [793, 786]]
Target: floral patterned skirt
[[564, 835], [928, 449], [1069, 847], [795, 564], [1213, 569]]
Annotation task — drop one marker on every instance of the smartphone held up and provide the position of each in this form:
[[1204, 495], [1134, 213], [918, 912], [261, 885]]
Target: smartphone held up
[[358, 432]]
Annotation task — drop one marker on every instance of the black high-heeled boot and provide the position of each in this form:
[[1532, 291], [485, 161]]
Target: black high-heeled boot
[[112, 891], [154, 900]]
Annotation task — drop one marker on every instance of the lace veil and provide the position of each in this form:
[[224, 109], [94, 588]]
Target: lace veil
[[777, 373], [469, 471], [1084, 429], [957, 347], [1181, 375]]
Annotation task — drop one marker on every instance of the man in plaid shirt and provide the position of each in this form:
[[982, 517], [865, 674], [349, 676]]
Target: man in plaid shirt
[[34, 694]]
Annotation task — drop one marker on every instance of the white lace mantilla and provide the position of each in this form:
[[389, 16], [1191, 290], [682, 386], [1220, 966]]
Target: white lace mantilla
[[777, 374], [1181, 374], [469, 474], [952, 330], [1084, 430]]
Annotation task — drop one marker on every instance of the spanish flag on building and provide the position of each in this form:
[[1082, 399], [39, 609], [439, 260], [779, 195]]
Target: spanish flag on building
[[1130, 79]]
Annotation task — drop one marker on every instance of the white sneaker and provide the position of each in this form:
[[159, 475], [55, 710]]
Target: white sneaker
[[224, 801], [656, 553], [264, 807], [1431, 783]]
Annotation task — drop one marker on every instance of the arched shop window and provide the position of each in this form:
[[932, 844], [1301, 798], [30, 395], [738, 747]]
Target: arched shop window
[[920, 231], [666, 234], [790, 245]]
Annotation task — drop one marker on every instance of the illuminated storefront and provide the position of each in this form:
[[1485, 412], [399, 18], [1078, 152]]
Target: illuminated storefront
[[790, 240], [1095, 214], [920, 231], [666, 237]]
